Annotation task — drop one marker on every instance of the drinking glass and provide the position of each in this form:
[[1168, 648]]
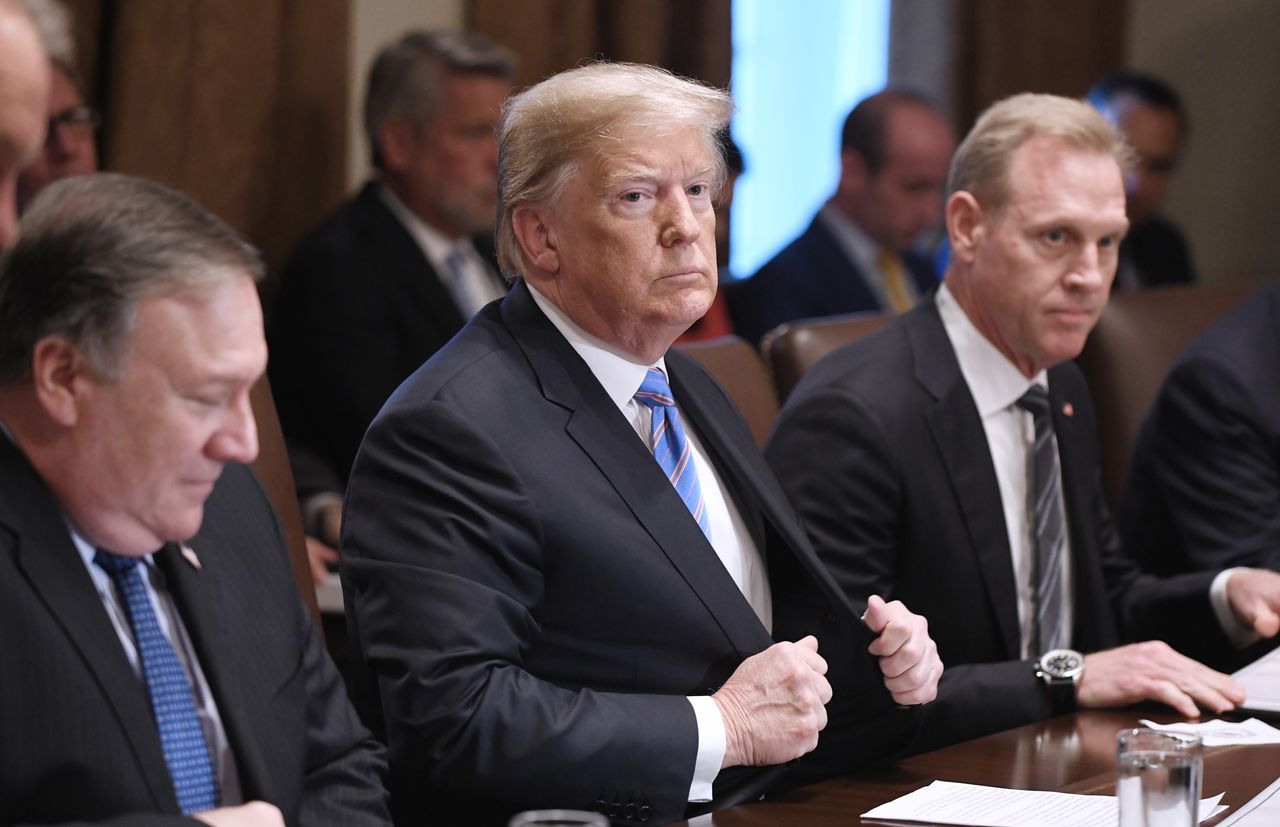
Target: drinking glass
[[1158, 778]]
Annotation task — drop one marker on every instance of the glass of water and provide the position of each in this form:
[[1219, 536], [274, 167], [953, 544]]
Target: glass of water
[[558, 818], [1158, 778]]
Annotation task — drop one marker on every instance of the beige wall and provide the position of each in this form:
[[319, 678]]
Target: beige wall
[[1224, 59], [374, 23]]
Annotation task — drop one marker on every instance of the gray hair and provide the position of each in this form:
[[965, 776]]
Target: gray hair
[[408, 74], [53, 21], [981, 163], [90, 248], [548, 129]]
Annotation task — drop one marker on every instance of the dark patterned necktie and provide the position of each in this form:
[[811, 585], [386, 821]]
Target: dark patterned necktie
[[1049, 526], [670, 447], [181, 738]]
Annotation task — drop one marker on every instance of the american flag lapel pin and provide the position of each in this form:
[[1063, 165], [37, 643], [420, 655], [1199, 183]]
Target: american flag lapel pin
[[1067, 409], [189, 554]]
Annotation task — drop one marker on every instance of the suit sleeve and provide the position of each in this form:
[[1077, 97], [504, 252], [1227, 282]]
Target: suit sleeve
[[1214, 464], [837, 463], [443, 568]]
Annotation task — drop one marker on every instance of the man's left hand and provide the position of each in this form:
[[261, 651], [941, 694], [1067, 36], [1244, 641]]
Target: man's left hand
[[1254, 595], [908, 656]]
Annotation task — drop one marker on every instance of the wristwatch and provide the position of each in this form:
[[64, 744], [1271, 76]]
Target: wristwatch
[[1061, 670]]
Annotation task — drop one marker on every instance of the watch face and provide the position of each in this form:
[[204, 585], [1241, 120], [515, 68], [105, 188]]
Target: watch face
[[1062, 663]]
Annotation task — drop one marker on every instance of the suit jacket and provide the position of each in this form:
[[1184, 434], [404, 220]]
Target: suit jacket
[[811, 277], [78, 742], [883, 453], [536, 600], [360, 308], [1155, 253], [1204, 485]]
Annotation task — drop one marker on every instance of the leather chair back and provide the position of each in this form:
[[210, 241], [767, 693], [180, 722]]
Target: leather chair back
[[791, 349], [738, 368], [272, 467], [1129, 353]]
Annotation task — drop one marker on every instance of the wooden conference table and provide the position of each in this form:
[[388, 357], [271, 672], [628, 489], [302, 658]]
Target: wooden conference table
[[1072, 753]]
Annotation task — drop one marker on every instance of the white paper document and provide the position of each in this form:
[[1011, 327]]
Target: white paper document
[[1262, 811], [972, 805], [1224, 733], [1261, 680]]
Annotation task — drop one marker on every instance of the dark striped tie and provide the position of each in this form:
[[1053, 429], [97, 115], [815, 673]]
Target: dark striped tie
[[1049, 526], [670, 447], [181, 739]]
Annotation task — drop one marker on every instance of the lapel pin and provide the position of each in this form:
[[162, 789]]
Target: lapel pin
[[1067, 409], [189, 554]]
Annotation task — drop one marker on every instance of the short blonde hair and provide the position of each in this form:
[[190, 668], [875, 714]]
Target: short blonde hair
[[981, 163], [549, 129]]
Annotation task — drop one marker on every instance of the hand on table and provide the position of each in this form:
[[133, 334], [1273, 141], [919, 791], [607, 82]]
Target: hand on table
[[1153, 671]]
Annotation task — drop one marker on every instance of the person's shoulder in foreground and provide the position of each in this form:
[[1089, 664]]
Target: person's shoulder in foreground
[[556, 534], [155, 643]]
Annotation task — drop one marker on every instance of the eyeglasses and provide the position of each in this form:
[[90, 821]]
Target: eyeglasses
[[80, 122]]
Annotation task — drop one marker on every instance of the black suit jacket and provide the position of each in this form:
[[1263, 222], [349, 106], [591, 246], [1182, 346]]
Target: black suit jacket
[[811, 277], [1156, 253], [1204, 485], [883, 453], [359, 309], [78, 742], [536, 600]]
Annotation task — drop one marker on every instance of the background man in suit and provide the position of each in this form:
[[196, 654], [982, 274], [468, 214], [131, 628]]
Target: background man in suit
[[1153, 121], [550, 619], [158, 659], [1204, 486], [24, 92], [929, 463], [386, 280], [858, 252], [69, 147]]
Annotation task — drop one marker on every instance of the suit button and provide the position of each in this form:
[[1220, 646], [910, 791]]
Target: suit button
[[643, 814], [629, 812], [601, 806], [614, 809], [829, 617]]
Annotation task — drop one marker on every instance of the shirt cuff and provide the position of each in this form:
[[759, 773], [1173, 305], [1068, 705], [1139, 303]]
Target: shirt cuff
[[1236, 632], [711, 747]]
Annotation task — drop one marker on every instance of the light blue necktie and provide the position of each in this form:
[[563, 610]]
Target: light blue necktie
[[172, 701], [669, 446]]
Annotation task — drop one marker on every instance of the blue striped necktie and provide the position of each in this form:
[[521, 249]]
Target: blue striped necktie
[[1049, 529], [181, 738], [670, 447]]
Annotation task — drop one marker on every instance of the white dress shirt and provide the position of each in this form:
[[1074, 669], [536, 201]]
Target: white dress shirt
[[996, 385], [621, 377], [864, 252], [476, 286]]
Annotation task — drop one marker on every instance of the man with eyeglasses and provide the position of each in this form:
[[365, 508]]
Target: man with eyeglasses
[[69, 145]]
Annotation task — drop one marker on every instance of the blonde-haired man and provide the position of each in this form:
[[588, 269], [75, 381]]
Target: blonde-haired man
[[951, 460], [568, 568]]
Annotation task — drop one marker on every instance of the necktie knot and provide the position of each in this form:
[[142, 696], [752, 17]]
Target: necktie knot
[[1035, 401], [115, 564], [654, 390]]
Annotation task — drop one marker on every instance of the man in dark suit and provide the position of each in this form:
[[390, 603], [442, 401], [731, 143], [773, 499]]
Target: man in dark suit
[[386, 280], [1204, 485], [1150, 115], [951, 461], [564, 562], [858, 254], [158, 662]]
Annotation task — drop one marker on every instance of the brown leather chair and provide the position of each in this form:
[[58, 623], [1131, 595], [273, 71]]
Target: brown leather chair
[[272, 467], [737, 367], [791, 349], [1130, 351]]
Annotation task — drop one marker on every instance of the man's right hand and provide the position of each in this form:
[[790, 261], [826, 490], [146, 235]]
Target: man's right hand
[[773, 705], [1153, 671], [253, 814]]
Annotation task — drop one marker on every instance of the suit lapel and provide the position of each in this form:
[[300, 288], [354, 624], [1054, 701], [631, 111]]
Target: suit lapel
[[611, 444], [957, 430], [47, 557], [197, 592]]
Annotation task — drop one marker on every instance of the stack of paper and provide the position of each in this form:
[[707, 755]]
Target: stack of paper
[[1261, 680]]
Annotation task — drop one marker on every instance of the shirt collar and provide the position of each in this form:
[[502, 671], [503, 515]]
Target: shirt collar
[[620, 376], [435, 245], [992, 379]]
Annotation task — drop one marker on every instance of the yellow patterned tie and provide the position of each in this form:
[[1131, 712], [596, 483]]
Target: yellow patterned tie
[[895, 281]]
